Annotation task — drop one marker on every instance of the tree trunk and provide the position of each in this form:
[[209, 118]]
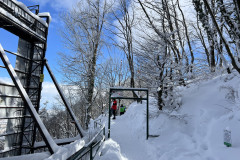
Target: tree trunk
[[187, 36], [234, 63]]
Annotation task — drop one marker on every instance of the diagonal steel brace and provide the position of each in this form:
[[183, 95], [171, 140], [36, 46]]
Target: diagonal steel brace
[[69, 109]]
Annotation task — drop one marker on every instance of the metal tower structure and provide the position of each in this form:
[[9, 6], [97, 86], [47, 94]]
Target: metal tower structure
[[32, 31], [20, 102]]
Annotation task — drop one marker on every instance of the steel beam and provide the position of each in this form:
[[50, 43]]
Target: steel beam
[[18, 71], [127, 89], [23, 57], [134, 98]]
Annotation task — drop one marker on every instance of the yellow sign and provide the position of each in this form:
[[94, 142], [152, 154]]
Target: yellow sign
[[41, 77]]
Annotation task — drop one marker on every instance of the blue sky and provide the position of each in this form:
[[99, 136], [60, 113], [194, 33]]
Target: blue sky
[[54, 43]]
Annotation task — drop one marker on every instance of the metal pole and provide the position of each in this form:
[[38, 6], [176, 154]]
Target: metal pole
[[109, 118], [70, 111], [91, 156], [104, 131], [147, 117]]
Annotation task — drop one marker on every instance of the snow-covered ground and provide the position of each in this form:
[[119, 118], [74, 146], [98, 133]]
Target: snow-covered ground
[[194, 132]]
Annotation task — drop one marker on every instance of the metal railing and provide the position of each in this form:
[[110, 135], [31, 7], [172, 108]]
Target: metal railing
[[90, 150]]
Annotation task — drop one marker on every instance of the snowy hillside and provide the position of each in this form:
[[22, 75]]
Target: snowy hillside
[[194, 132]]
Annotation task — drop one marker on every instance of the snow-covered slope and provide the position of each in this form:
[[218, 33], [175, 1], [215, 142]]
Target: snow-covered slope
[[193, 132]]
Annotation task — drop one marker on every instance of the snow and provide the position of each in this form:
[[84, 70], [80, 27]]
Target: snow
[[65, 152], [36, 156], [64, 140], [111, 150], [26, 16], [24, 7], [3, 11], [45, 14], [6, 80], [195, 131]]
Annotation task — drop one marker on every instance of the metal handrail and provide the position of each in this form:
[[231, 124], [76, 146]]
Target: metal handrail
[[94, 137], [92, 146], [89, 147]]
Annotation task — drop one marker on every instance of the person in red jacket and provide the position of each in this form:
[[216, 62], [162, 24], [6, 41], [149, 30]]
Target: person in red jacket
[[114, 108]]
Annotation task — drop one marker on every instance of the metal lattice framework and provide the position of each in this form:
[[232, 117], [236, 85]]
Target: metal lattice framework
[[20, 102]]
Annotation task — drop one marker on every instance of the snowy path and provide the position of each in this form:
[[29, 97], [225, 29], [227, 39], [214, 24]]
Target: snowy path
[[131, 144], [193, 132]]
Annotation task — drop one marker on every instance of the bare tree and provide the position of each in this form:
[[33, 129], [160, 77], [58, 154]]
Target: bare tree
[[159, 51], [114, 74], [187, 37], [83, 35], [209, 28], [231, 16], [124, 16]]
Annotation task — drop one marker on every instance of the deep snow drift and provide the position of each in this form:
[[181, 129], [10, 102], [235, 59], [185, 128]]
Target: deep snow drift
[[193, 132]]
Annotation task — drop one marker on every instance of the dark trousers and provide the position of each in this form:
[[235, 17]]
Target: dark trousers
[[114, 114], [111, 112]]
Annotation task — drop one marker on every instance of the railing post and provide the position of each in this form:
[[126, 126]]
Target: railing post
[[104, 131], [147, 116], [109, 112], [91, 156]]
